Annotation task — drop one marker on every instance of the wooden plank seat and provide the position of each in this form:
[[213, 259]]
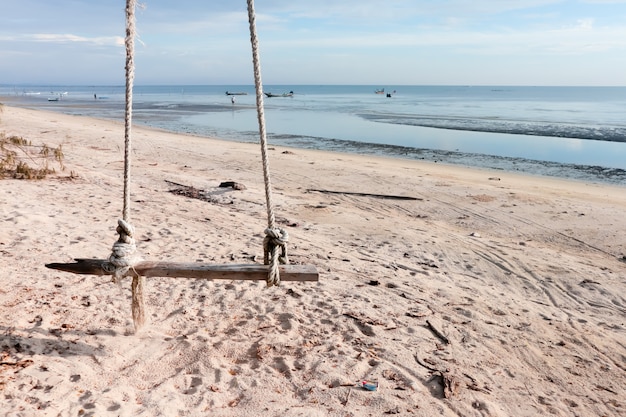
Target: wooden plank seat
[[250, 272]]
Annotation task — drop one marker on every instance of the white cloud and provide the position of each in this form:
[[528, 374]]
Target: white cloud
[[585, 24], [69, 38], [567, 40], [394, 9]]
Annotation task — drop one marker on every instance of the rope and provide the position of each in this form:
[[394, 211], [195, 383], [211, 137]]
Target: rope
[[130, 78], [123, 252], [123, 256], [274, 248]]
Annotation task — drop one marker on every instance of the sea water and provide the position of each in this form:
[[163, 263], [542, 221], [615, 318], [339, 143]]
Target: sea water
[[572, 132]]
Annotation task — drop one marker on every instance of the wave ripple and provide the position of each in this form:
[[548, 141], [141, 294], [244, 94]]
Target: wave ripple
[[515, 127]]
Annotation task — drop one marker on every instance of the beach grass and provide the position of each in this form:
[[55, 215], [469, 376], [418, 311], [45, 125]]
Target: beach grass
[[20, 159]]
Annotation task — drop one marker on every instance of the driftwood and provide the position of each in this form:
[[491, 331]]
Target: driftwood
[[450, 384], [232, 184], [190, 191], [389, 196], [437, 333], [250, 272]]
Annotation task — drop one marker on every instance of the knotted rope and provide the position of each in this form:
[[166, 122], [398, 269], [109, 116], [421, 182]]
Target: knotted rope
[[274, 248], [123, 254], [275, 252]]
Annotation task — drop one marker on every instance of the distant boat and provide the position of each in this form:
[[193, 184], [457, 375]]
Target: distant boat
[[289, 94], [239, 93], [58, 97], [381, 91]]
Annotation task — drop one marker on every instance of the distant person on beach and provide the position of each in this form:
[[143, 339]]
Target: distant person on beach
[[95, 97], [232, 99]]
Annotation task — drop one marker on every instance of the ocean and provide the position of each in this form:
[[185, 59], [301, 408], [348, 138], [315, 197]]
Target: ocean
[[569, 132]]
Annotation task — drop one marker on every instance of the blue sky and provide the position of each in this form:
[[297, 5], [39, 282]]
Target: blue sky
[[386, 42]]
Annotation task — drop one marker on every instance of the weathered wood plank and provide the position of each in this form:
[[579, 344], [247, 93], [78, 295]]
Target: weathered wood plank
[[250, 272]]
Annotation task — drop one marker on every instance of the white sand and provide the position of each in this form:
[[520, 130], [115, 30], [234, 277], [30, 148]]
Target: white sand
[[523, 276]]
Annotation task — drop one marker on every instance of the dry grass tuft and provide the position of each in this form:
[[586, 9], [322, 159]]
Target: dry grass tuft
[[20, 159]]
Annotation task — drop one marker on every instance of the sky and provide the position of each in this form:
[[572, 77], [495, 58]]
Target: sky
[[323, 42]]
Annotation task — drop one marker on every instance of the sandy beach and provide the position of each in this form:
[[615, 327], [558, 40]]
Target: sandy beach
[[478, 293]]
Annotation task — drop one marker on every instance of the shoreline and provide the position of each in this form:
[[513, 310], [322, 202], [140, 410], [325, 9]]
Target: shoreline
[[433, 164], [486, 281], [583, 172]]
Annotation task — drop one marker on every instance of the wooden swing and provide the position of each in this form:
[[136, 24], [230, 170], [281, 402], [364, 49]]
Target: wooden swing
[[124, 262]]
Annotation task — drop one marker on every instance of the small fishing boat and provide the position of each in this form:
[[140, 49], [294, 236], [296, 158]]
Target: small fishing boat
[[53, 98], [289, 94], [238, 93]]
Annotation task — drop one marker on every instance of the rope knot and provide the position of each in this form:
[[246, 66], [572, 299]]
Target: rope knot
[[123, 256], [275, 252]]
